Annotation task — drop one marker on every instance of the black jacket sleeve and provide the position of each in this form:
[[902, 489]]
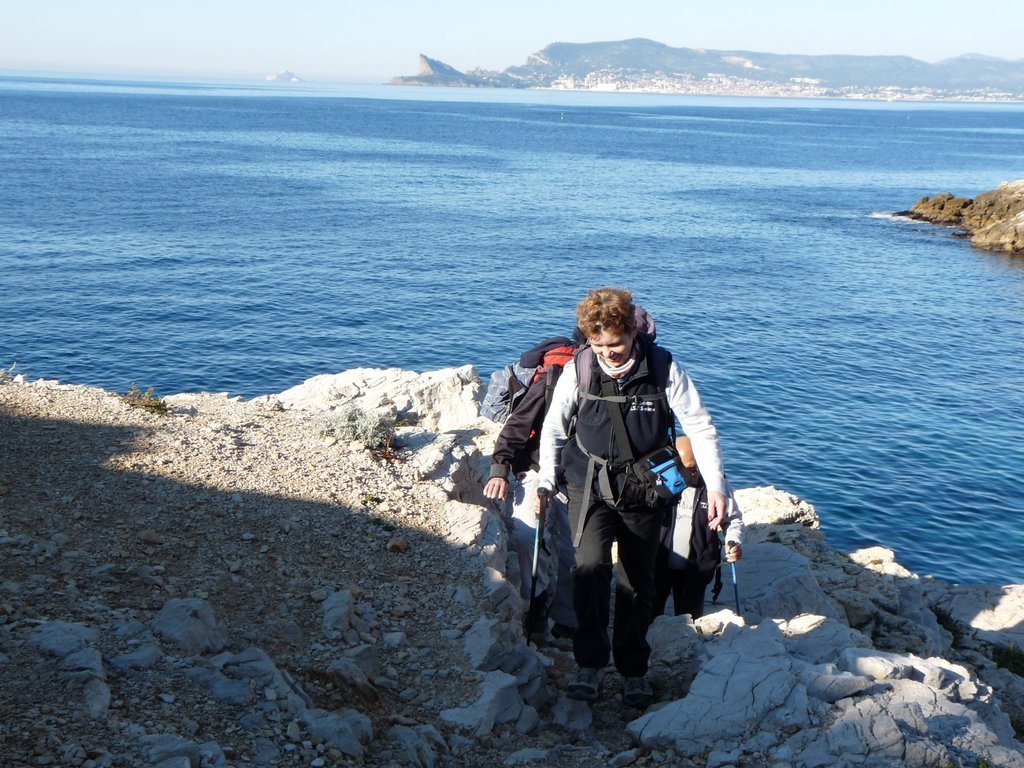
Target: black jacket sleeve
[[515, 450]]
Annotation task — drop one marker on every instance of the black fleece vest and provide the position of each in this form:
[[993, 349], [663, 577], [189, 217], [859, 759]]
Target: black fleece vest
[[648, 423]]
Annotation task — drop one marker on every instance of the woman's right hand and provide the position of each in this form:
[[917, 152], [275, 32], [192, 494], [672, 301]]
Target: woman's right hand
[[496, 488]]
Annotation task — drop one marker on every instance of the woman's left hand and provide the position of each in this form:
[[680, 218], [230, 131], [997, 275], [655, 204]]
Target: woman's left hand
[[717, 509]]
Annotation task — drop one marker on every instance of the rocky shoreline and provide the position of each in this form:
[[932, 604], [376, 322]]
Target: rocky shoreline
[[992, 220], [235, 583]]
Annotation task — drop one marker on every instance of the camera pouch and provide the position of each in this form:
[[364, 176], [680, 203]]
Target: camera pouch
[[656, 480], [663, 473]]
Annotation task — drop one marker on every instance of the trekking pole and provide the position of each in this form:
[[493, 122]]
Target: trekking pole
[[538, 542], [732, 565], [735, 589]]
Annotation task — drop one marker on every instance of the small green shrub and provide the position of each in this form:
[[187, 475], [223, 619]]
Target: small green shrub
[[375, 430], [7, 376], [145, 400]]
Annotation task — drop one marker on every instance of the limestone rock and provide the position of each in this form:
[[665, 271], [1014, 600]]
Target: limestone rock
[[222, 687], [80, 664], [817, 639], [994, 219], [767, 505], [255, 666], [347, 675], [943, 208], [61, 638], [499, 702], [337, 610], [880, 560], [909, 725], [728, 700], [995, 206], [144, 657], [827, 683], [497, 645], [1006, 235], [347, 731], [873, 708], [574, 716], [992, 613], [421, 746], [444, 459], [436, 400], [167, 747], [776, 582], [676, 653], [466, 523], [190, 624]]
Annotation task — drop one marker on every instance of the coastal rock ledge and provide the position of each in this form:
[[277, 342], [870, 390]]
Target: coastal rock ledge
[[239, 583], [993, 219]]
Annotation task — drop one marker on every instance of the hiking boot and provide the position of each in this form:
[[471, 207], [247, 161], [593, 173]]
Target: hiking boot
[[585, 684], [636, 692]]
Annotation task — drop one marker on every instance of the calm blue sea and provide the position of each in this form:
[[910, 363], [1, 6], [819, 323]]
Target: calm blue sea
[[243, 237]]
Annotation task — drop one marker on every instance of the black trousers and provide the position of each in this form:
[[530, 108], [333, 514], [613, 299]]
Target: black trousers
[[637, 531], [686, 585]]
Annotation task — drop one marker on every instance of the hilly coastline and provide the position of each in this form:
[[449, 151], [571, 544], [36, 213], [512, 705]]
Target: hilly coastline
[[646, 66]]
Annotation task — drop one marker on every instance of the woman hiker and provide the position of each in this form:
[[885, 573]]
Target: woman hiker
[[626, 372]]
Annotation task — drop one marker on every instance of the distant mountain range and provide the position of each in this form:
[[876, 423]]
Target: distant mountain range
[[646, 65]]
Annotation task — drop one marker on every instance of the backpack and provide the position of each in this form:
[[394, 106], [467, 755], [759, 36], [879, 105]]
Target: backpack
[[705, 546], [508, 385]]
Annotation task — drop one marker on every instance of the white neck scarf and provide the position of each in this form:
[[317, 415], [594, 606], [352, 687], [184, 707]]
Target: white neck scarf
[[622, 370]]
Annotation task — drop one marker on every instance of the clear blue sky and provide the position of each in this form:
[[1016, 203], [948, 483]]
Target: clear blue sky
[[335, 40]]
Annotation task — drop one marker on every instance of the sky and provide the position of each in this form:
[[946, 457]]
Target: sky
[[341, 41]]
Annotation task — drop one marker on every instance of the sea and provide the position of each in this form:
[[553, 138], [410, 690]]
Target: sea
[[242, 237]]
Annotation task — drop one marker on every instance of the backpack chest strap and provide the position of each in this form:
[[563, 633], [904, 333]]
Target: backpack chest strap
[[653, 397]]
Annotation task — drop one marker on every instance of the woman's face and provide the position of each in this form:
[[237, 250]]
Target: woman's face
[[614, 347]]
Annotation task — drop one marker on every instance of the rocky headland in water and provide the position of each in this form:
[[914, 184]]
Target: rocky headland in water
[[221, 582], [993, 219]]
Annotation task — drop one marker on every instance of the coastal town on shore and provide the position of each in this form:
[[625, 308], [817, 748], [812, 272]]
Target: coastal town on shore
[[726, 85]]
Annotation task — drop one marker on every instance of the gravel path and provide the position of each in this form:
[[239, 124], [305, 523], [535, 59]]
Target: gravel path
[[108, 511]]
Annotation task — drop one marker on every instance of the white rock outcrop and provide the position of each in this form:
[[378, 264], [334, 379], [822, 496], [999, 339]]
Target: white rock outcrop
[[436, 400]]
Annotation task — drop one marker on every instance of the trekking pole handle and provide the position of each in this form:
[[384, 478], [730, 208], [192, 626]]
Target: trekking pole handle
[[544, 498]]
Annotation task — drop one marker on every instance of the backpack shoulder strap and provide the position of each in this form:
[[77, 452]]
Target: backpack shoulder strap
[[551, 376], [660, 362], [584, 362]]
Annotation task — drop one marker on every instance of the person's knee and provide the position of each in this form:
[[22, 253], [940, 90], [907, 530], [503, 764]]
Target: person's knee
[[592, 558]]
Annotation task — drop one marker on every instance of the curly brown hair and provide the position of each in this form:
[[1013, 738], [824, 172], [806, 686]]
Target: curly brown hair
[[606, 309]]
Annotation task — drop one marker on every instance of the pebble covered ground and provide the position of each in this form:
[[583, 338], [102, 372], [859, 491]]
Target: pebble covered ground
[[108, 511]]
